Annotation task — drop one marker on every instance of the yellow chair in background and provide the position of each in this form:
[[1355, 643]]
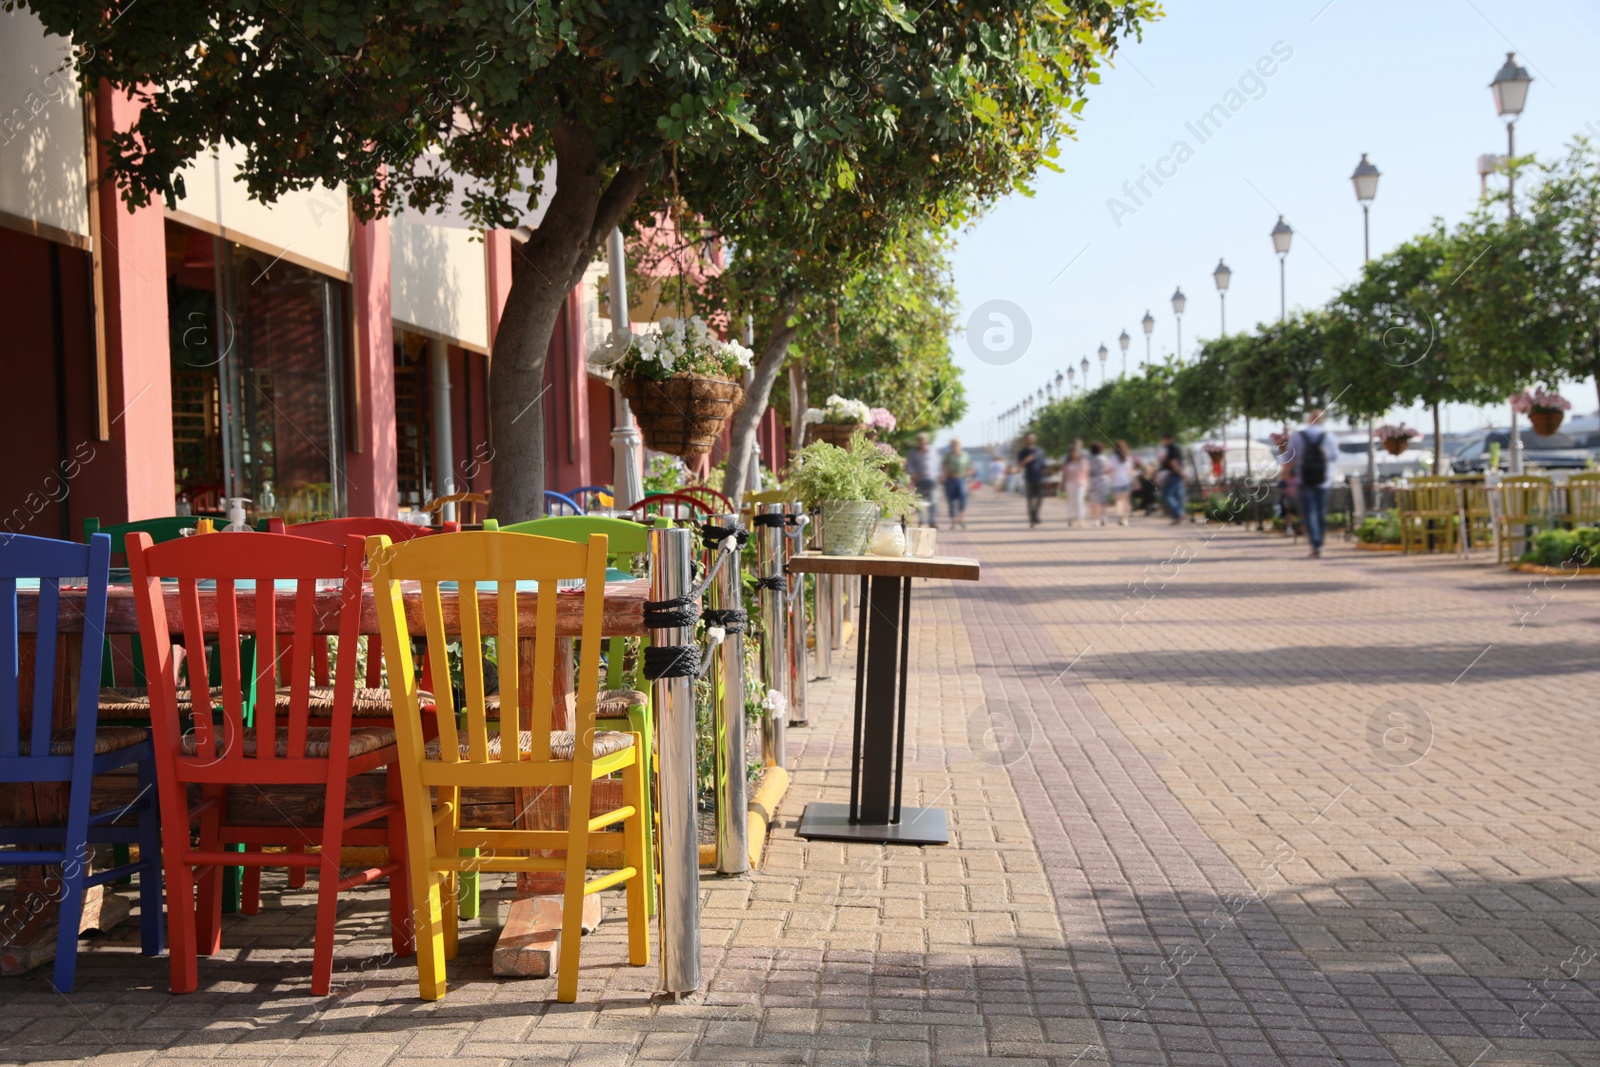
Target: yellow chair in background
[[434, 774], [1524, 510]]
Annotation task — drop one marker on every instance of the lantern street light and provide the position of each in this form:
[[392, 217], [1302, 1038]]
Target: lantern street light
[[1149, 324], [1510, 87], [1122, 342], [1365, 179], [1084, 367], [1178, 301], [1059, 380], [1072, 378], [1282, 235], [1222, 275], [1103, 354]]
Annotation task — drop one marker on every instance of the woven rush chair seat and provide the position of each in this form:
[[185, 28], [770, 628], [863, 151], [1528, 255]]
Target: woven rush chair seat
[[106, 739], [363, 739], [368, 701], [612, 703], [131, 701], [562, 744]]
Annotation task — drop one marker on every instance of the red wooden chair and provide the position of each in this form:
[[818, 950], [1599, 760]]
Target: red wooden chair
[[218, 753], [712, 497]]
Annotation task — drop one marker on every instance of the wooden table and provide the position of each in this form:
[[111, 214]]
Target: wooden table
[[878, 748], [30, 914]]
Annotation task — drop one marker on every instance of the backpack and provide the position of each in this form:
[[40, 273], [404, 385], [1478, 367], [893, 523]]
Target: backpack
[[1314, 464]]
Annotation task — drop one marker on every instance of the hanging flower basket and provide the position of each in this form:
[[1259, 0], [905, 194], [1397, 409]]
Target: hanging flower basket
[[1395, 445], [682, 415], [1396, 439], [839, 434], [1546, 421]]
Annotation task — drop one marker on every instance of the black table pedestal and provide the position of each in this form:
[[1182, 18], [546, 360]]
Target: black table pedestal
[[878, 750]]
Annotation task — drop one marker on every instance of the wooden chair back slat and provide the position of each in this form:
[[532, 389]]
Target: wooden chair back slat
[[11, 680], [229, 667], [443, 693], [44, 666], [506, 645], [472, 696], [194, 646]]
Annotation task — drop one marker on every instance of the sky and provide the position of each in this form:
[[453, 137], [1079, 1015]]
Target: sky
[[1045, 280]]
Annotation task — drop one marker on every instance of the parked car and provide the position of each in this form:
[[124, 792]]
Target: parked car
[[1557, 451]]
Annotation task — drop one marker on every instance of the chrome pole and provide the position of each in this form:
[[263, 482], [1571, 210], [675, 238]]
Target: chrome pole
[[727, 710], [771, 558], [671, 553], [799, 672]]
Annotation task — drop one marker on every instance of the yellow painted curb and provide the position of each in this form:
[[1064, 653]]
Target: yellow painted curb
[[1369, 546], [763, 806], [1558, 572]]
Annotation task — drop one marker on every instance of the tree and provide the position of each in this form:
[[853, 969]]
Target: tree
[[1561, 255], [418, 102]]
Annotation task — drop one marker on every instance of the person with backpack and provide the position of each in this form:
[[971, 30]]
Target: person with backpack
[[1313, 456]]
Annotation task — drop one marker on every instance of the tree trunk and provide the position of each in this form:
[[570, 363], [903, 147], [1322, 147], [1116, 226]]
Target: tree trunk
[[543, 271], [748, 417], [799, 400], [1438, 445]]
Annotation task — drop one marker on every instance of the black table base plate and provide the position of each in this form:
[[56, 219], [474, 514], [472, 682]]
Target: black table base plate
[[917, 826]]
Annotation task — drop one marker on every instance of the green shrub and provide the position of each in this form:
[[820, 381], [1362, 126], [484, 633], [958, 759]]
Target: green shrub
[[1565, 548], [1380, 529]]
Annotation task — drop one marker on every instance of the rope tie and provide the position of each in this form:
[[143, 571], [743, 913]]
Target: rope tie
[[775, 583], [670, 614], [671, 661], [714, 535], [732, 620], [769, 520]]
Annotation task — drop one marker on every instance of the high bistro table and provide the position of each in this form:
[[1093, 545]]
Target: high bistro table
[[26, 919], [877, 751]]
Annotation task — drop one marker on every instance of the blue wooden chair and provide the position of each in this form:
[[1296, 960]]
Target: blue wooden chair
[[590, 497], [31, 753], [560, 504]]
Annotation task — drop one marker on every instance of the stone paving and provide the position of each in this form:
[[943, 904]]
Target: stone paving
[[1211, 803]]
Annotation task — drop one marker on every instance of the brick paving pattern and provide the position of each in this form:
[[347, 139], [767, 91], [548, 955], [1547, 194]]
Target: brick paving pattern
[[1210, 802]]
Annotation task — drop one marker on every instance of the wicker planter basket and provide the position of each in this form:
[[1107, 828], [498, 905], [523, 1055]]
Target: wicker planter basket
[[684, 415], [838, 434], [1395, 445], [1546, 421]]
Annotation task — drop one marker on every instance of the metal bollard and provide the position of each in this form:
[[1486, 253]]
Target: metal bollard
[[824, 625], [836, 601], [671, 551], [771, 557], [727, 711], [799, 674]]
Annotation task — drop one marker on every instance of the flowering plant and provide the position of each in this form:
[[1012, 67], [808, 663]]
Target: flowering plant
[[1539, 400], [882, 418], [1214, 448], [840, 409], [680, 346], [1402, 432]]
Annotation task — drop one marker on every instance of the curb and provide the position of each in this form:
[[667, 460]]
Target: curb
[[1370, 546], [1559, 572], [769, 793]]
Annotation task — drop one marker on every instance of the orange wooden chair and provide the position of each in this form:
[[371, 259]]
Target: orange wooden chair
[[267, 590], [541, 758]]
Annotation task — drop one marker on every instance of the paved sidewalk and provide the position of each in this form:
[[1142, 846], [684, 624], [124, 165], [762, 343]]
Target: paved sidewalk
[[1212, 803]]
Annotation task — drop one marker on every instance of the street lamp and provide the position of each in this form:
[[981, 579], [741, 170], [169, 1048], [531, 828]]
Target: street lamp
[[1103, 354], [1488, 163], [1149, 324], [1084, 367], [1365, 179], [1059, 380], [1122, 342], [1072, 378], [1222, 275], [1178, 300], [1282, 234], [1510, 87]]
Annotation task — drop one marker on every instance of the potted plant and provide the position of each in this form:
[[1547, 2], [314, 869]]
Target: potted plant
[[682, 382], [1217, 451], [838, 421], [1545, 410], [1396, 439], [848, 489]]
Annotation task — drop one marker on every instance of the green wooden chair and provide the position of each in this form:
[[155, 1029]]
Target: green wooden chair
[[626, 539]]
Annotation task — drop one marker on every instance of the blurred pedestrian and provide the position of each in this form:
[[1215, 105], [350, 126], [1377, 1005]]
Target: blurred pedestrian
[[1075, 483], [1313, 457], [1169, 476], [922, 465], [1030, 463], [1097, 484], [1121, 463], [957, 468]]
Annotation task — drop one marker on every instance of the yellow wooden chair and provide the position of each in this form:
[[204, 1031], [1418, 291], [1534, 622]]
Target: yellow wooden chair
[[1583, 500], [1524, 510], [1432, 515], [433, 775], [310, 502], [470, 507]]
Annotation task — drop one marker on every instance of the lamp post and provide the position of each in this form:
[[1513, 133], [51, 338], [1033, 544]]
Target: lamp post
[[1510, 87], [627, 456], [1149, 324], [1103, 353], [1072, 379], [1084, 367], [1222, 276], [1365, 179], [1122, 342], [1282, 235], [1488, 163], [1059, 379], [1178, 301]]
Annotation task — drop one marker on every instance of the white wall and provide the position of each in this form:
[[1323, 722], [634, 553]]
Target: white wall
[[309, 227], [43, 174], [438, 280]]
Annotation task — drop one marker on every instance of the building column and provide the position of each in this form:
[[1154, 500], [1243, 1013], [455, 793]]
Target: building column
[[372, 455], [133, 247]]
